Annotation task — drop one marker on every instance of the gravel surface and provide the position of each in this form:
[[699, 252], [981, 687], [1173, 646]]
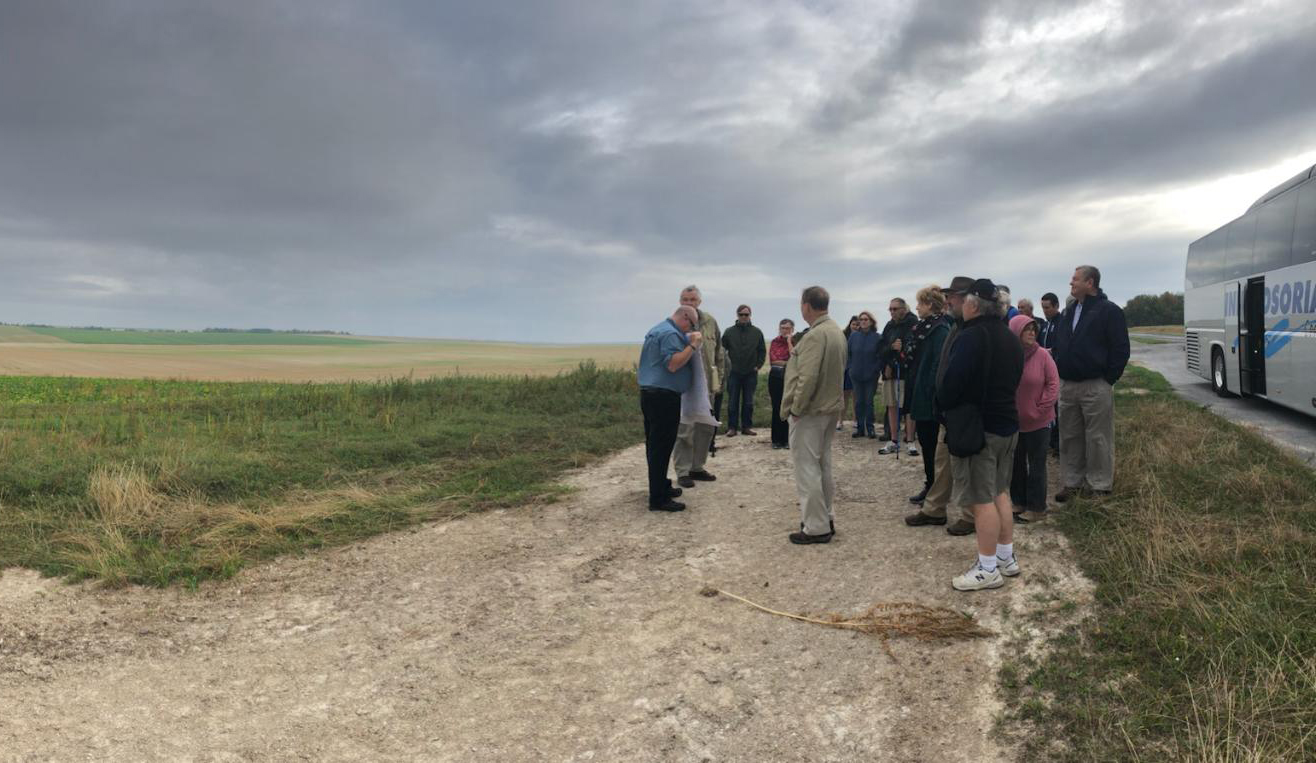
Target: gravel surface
[[569, 631]]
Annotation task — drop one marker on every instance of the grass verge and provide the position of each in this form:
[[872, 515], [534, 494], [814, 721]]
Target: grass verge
[[158, 482], [1202, 645]]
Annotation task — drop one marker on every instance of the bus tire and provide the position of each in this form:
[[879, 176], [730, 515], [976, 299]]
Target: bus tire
[[1218, 372]]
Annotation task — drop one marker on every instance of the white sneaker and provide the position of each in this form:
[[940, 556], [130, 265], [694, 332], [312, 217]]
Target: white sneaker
[[888, 449], [976, 579], [913, 451], [1008, 569]]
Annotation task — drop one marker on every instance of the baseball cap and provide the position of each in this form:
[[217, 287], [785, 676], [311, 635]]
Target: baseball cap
[[983, 288]]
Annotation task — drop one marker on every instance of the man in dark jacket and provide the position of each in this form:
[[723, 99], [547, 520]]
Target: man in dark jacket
[[982, 370], [1046, 339], [894, 336], [1091, 351], [746, 352]]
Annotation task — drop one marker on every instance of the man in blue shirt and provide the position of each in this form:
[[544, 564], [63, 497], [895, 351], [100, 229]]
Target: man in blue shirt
[[664, 374]]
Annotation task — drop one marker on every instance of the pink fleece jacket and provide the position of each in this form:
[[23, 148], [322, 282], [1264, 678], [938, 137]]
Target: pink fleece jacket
[[1039, 387]]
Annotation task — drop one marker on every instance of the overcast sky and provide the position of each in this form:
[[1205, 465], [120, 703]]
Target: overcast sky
[[557, 171]]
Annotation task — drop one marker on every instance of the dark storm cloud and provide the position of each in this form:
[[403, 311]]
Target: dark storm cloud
[[432, 168]]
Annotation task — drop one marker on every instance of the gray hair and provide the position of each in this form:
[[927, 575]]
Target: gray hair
[[1025, 302], [695, 289], [1090, 273], [988, 307], [1003, 295]]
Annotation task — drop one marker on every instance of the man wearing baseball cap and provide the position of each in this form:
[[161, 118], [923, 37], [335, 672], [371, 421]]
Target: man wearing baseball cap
[[933, 511]]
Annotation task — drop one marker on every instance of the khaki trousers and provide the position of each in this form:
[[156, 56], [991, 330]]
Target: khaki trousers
[[1087, 434], [691, 449], [939, 495], [811, 449]]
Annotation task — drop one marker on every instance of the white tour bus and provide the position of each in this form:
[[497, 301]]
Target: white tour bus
[[1250, 299]]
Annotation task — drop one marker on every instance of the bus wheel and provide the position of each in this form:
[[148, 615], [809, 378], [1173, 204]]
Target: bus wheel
[[1218, 373]]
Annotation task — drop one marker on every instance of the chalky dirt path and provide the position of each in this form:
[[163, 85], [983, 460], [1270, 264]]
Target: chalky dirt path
[[571, 631]]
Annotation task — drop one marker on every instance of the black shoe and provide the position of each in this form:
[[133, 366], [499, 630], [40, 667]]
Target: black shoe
[[831, 526], [857, 434], [919, 519], [872, 436], [883, 438], [961, 528], [685, 481], [702, 476], [917, 500], [1067, 493], [749, 432], [803, 538], [673, 492], [669, 506]]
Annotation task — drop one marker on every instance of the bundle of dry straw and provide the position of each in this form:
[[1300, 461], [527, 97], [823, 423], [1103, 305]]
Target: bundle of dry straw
[[884, 620]]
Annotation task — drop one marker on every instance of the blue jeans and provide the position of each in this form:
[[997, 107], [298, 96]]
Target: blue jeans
[[863, 405], [740, 399]]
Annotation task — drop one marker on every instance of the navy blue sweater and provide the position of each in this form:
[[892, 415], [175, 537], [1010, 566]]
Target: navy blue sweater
[[1098, 348], [983, 367]]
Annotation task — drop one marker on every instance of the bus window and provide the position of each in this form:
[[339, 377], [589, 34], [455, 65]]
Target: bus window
[[1304, 229], [1274, 240], [1213, 258], [1238, 250]]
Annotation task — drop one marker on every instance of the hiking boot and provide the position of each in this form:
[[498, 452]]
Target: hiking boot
[[700, 475], [919, 519], [960, 527], [977, 579], [1030, 517], [1008, 568], [802, 538], [888, 449], [670, 505], [731, 433], [748, 432], [685, 481]]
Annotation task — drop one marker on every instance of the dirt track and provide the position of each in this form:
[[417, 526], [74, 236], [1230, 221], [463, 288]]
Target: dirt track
[[564, 632]]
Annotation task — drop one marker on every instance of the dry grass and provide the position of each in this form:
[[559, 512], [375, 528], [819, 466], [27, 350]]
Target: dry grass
[[885, 620]]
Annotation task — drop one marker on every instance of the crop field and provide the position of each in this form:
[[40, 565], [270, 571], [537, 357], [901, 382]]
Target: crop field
[[228, 357], [132, 336]]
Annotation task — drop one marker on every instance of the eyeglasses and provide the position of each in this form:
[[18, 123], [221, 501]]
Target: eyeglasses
[[743, 315], [894, 309]]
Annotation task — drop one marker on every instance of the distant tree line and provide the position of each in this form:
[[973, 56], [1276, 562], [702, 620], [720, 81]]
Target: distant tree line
[[181, 331], [217, 330], [1153, 310]]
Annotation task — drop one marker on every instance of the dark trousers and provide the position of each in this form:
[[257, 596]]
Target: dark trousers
[[927, 432], [1055, 431], [1028, 481], [781, 431], [864, 419], [662, 415], [740, 399]]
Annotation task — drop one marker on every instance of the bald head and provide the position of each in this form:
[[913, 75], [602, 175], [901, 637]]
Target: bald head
[[686, 317]]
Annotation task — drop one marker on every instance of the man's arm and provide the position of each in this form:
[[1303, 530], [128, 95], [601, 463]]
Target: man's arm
[[677, 358], [1117, 338], [961, 370], [762, 353], [808, 358]]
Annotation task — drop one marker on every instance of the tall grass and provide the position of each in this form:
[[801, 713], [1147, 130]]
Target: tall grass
[[1203, 643], [163, 481]]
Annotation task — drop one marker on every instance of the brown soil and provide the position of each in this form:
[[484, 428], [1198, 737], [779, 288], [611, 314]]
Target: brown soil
[[572, 631]]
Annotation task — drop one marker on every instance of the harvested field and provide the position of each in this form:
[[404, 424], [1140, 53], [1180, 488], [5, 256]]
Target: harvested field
[[385, 358]]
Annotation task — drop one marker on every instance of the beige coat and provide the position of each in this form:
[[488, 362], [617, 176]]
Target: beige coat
[[815, 374], [715, 358]]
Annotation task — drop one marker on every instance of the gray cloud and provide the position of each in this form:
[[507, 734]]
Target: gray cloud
[[434, 168]]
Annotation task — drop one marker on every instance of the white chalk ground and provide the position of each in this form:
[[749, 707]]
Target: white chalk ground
[[571, 631]]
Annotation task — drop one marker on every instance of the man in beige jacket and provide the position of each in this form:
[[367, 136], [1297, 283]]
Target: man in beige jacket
[[811, 401], [692, 439]]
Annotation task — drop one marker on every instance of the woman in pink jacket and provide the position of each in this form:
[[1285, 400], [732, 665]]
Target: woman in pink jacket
[[1039, 388]]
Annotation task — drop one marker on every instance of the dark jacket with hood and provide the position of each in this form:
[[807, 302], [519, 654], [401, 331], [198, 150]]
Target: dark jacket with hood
[[862, 361], [1098, 347], [895, 329], [983, 367]]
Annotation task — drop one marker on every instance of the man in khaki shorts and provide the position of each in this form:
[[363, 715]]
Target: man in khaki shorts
[[982, 371]]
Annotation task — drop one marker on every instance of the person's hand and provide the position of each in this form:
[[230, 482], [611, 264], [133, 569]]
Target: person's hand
[[695, 338], [896, 345]]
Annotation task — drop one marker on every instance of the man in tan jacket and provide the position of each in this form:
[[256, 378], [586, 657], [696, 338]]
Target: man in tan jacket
[[692, 439], [811, 401]]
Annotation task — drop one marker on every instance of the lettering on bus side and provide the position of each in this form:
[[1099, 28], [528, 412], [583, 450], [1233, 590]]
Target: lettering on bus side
[[1231, 303], [1290, 298]]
